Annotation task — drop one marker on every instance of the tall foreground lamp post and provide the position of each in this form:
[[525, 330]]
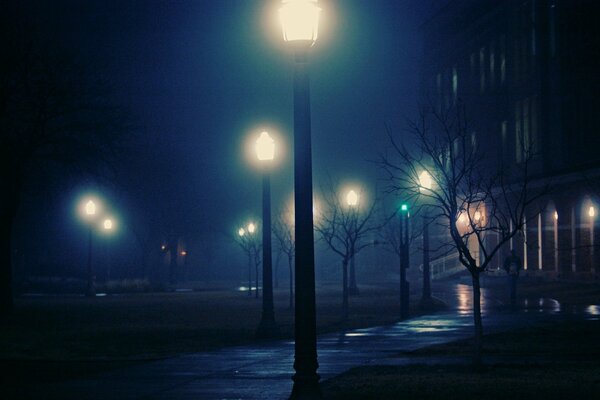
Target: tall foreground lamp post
[[300, 22], [265, 152], [425, 185]]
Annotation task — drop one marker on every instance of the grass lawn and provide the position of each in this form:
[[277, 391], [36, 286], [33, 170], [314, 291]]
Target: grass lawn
[[55, 338], [552, 362]]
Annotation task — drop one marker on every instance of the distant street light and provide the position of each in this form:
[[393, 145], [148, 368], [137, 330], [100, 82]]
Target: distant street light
[[426, 184], [404, 263], [108, 227], [90, 209], [265, 152], [352, 200], [300, 24]]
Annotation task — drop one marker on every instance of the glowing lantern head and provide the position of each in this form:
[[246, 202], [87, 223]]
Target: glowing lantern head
[[241, 232], [251, 227], [300, 21], [90, 208], [592, 211], [352, 198], [556, 215], [108, 224], [265, 147], [425, 180]]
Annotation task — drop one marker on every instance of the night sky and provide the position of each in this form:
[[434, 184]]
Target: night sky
[[201, 76]]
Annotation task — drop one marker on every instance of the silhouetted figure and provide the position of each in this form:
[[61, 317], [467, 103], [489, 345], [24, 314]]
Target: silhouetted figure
[[512, 266]]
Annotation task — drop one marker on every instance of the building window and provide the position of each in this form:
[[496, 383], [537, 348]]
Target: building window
[[518, 135], [492, 66], [502, 59], [454, 84], [534, 125], [526, 136], [482, 69]]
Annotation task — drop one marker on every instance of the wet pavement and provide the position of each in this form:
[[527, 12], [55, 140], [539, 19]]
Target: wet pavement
[[263, 371]]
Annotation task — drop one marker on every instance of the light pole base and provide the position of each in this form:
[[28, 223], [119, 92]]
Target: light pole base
[[306, 389], [267, 329], [353, 291]]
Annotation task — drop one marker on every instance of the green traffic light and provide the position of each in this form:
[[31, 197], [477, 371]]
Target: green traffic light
[[404, 207]]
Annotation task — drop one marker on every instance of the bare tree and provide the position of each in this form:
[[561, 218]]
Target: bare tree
[[283, 229], [251, 246], [344, 225], [470, 195]]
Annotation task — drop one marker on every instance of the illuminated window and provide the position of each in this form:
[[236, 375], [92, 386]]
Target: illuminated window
[[482, 69], [492, 67], [502, 60], [518, 136], [454, 84]]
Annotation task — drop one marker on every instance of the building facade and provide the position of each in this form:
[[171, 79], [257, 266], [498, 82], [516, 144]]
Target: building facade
[[526, 72]]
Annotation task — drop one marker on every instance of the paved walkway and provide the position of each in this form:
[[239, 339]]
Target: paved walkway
[[263, 371]]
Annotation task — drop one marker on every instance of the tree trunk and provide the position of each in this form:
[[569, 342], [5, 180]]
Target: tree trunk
[[290, 265], [478, 338], [345, 289], [353, 288]]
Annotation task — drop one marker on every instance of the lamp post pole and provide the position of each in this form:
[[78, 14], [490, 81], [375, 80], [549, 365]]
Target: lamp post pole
[[90, 291], [306, 379], [426, 297], [90, 210], [265, 152], [300, 21], [404, 261]]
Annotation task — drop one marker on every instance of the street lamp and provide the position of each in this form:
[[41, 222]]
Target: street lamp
[[425, 186], [352, 200], [265, 152], [90, 209], [404, 262], [300, 24], [108, 227]]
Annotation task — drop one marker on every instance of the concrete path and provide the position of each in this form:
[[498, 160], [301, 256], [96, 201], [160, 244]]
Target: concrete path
[[263, 371]]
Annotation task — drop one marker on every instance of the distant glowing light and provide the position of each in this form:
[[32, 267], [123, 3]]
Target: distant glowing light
[[265, 147], [108, 224], [556, 215], [251, 227], [352, 198], [592, 211], [300, 20], [90, 208], [425, 180], [404, 207], [477, 216], [183, 253], [241, 232], [462, 218], [163, 247]]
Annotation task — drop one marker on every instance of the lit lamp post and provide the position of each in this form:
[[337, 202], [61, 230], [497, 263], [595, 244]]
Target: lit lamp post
[[425, 185], [108, 227], [352, 200], [265, 152], [300, 22], [404, 263], [90, 210], [251, 228], [592, 215]]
